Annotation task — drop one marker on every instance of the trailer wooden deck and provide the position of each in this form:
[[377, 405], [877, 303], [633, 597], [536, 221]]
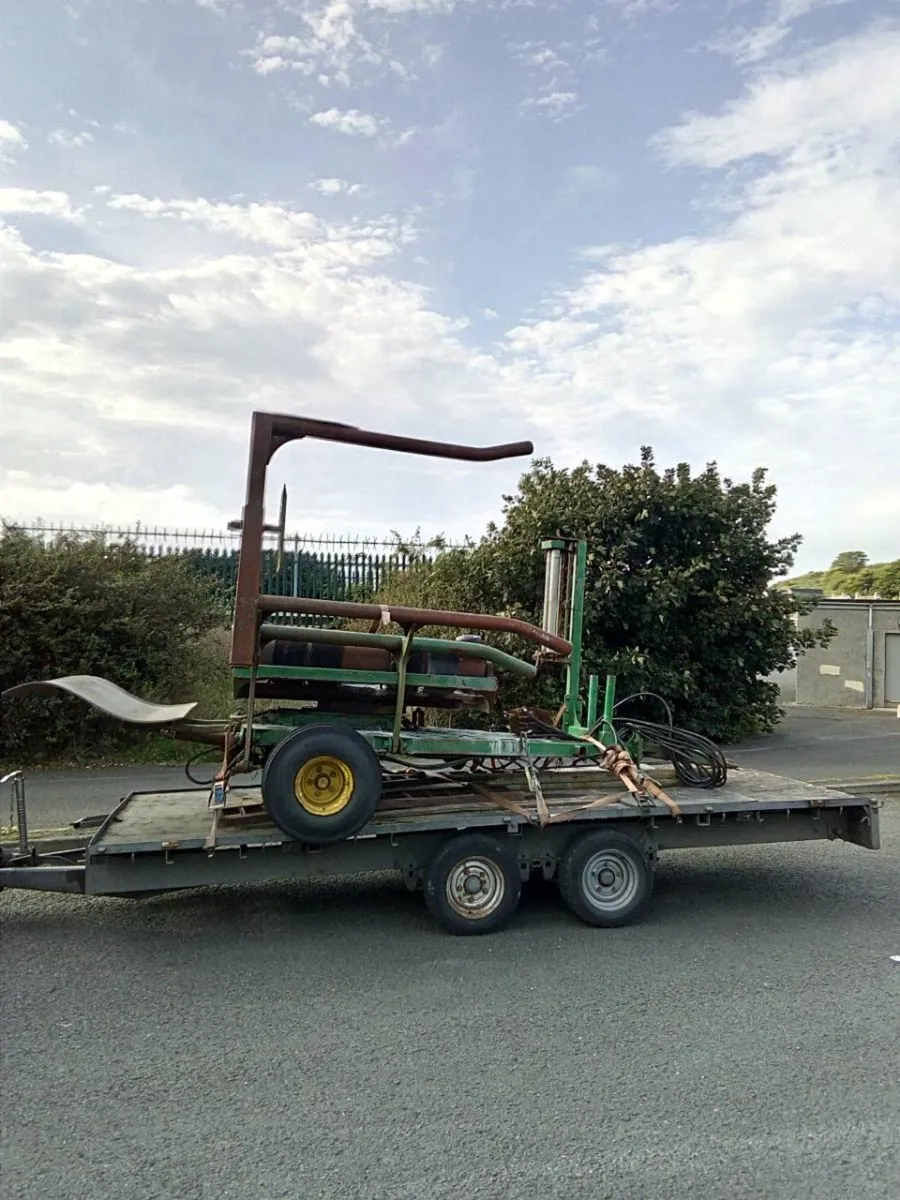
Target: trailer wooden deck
[[152, 821]]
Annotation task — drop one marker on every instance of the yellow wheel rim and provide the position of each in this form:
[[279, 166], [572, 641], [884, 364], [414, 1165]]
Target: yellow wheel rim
[[324, 785]]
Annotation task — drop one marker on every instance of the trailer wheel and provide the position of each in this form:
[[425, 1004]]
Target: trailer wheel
[[472, 884], [321, 784], [605, 878]]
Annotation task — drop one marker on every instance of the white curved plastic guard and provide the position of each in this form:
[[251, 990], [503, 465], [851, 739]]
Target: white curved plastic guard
[[107, 696]]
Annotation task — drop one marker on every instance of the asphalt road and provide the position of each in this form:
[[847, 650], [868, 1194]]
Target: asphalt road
[[821, 744], [318, 1040]]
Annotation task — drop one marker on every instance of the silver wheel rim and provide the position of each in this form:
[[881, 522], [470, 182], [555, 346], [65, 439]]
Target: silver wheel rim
[[610, 881], [475, 888]]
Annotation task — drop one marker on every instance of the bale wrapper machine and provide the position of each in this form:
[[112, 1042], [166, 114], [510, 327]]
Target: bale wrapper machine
[[367, 689], [334, 712]]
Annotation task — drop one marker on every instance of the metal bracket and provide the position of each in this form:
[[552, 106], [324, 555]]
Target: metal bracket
[[16, 781], [94, 821]]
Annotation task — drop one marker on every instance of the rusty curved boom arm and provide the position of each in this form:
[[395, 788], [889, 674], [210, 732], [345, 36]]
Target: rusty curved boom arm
[[270, 431], [288, 429]]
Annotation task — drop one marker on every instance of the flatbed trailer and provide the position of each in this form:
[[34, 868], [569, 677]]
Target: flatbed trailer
[[467, 840], [353, 779]]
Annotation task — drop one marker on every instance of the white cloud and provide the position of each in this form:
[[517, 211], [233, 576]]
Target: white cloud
[[65, 137], [432, 54], [408, 6], [539, 55], [221, 8], [113, 505], [582, 181], [330, 45], [632, 9], [556, 104], [750, 45], [818, 106], [24, 201], [163, 365], [554, 71], [350, 121], [342, 42], [11, 141], [768, 335], [269, 224], [336, 187], [784, 316]]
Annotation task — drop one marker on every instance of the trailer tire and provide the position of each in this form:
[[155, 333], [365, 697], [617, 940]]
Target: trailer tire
[[321, 784], [605, 878], [473, 884]]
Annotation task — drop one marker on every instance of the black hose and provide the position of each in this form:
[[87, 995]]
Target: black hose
[[698, 762], [648, 696], [204, 753]]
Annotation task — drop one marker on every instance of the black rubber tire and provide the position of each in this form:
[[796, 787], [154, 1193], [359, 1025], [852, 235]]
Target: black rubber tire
[[498, 864], [288, 757], [629, 891]]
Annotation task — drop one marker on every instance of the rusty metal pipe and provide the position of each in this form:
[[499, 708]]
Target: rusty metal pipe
[[270, 431], [286, 428], [211, 733], [413, 616]]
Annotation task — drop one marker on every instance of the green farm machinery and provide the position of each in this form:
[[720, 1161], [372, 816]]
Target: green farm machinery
[[335, 693]]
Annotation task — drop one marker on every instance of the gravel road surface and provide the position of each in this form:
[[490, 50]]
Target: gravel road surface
[[318, 1040]]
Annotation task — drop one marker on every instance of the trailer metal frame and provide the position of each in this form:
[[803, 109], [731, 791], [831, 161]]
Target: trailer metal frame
[[155, 842]]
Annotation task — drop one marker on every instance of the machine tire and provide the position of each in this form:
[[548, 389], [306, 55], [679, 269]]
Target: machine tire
[[484, 860], [321, 784], [605, 878]]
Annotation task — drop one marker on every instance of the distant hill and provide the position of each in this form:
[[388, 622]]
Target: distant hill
[[851, 574]]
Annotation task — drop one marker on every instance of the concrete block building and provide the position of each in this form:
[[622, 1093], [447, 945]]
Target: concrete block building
[[861, 666]]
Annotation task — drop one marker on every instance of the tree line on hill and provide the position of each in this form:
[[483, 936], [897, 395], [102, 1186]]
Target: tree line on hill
[[851, 574]]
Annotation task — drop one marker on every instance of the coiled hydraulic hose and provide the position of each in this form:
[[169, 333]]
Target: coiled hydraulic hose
[[697, 761]]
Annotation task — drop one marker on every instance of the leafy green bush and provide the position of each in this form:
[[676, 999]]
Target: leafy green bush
[[74, 606], [678, 596]]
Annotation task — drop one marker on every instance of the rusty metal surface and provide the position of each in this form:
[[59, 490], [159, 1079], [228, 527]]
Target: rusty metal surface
[[287, 428], [414, 616], [243, 633], [269, 431], [107, 697]]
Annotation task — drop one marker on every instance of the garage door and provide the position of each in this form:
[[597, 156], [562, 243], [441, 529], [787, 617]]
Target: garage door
[[892, 668]]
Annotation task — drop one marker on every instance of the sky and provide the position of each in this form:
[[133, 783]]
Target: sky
[[597, 224]]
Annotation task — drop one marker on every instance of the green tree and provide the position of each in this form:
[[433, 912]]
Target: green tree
[[75, 606], [848, 562], [887, 579], [678, 596]]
